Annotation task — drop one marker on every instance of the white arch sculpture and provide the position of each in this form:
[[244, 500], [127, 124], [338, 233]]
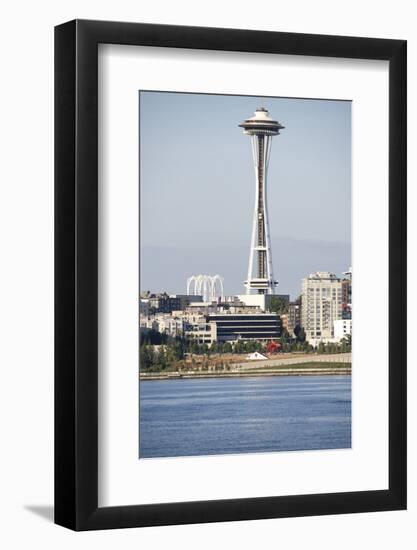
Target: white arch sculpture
[[208, 286]]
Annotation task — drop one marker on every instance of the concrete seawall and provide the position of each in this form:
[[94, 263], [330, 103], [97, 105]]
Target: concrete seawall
[[291, 371]]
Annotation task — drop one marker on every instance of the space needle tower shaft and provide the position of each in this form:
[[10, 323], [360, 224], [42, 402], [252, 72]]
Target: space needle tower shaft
[[261, 128]]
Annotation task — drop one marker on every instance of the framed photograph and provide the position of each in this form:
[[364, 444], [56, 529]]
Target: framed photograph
[[230, 254]]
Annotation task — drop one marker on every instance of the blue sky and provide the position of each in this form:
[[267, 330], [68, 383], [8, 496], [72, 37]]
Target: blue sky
[[198, 185]]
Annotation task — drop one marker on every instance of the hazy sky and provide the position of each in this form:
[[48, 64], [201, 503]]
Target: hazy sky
[[198, 189]]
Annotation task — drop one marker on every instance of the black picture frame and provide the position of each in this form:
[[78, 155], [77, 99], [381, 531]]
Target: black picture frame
[[76, 272]]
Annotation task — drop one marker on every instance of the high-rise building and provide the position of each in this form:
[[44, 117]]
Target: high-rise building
[[347, 295], [321, 305], [294, 315], [261, 128]]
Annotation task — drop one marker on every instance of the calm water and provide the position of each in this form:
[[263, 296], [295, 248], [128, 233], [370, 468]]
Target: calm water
[[244, 415]]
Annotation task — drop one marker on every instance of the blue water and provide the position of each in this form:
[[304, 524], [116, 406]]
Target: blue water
[[244, 415]]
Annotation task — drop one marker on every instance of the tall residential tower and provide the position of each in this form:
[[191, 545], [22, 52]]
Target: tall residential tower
[[321, 306], [261, 127]]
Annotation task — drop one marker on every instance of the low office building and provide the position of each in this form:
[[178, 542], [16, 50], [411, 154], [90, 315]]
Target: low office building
[[167, 303], [148, 323], [144, 307], [165, 323], [233, 327], [342, 328], [262, 301], [205, 323], [170, 324], [199, 331]]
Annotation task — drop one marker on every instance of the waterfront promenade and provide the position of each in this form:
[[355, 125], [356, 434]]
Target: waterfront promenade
[[294, 364], [294, 359]]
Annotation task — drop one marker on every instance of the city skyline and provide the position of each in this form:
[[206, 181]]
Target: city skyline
[[197, 189]]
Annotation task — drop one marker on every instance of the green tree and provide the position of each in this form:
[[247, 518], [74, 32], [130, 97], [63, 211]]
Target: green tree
[[227, 347], [214, 348], [153, 337], [161, 359], [146, 357], [239, 347], [300, 333], [178, 349], [278, 305], [285, 335], [251, 346], [346, 343]]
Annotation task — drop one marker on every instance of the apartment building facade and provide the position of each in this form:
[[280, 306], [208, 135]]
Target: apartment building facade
[[321, 306]]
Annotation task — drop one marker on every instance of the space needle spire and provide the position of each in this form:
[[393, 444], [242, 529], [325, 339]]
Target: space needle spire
[[261, 128]]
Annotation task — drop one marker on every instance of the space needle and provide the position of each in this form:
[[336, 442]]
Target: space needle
[[261, 127]]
